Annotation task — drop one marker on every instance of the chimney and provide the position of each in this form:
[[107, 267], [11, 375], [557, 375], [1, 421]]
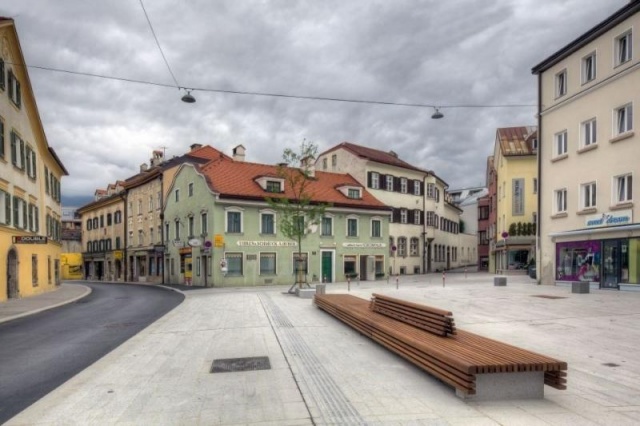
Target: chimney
[[393, 154], [195, 146], [143, 167], [157, 158], [238, 153]]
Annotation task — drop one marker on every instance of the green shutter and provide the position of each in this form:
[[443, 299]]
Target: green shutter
[[1, 139], [25, 215], [21, 154], [14, 151], [37, 219], [7, 209], [46, 179], [16, 212]]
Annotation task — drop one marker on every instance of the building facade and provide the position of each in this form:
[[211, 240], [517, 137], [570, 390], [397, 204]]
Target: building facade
[[30, 176], [103, 237], [221, 231], [71, 240], [515, 163], [588, 98], [424, 233]]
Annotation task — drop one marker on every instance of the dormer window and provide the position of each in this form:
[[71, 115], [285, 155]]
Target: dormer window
[[271, 184], [353, 192]]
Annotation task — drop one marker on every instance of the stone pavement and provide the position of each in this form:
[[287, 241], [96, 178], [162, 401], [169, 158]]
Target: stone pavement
[[322, 372]]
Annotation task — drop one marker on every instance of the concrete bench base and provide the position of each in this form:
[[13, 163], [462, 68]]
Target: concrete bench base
[[504, 386], [580, 287], [500, 281], [305, 293]]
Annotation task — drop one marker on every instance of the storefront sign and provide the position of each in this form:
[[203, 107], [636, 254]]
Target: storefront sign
[[185, 250], [518, 197], [267, 243], [30, 239], [117, 255], [178, 243], [621, 217], [159, 248], [364, 245]]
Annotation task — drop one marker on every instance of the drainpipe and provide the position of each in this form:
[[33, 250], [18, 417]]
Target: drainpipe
[[164, 248], [538, 252]]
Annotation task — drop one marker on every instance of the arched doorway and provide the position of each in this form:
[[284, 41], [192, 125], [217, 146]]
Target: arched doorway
[[12, 274]]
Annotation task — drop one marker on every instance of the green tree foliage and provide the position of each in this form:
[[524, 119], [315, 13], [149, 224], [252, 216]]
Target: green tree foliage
[[296, 209]]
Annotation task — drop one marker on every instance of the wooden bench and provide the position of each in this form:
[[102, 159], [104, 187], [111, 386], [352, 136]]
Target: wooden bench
[[474, 365], [433, 320]]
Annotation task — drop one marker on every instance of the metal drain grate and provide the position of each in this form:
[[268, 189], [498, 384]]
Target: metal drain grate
[[546, 296], [240, 364]]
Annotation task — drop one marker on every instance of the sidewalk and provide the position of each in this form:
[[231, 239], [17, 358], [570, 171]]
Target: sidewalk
[[323, 372], [17, 308]]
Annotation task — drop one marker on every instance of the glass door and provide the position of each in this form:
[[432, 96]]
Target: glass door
[[610, 264]]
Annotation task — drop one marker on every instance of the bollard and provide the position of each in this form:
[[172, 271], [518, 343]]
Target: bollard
[[348, 284], [397, 282], [443, 277], [465, 272]]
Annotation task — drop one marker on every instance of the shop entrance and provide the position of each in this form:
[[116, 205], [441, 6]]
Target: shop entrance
[[615, 263], [12, 274], [327, 266]]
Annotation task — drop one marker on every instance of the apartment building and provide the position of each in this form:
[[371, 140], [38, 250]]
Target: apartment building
[[424, 232], [221, 231], [30, 176], [516, 174], [589, 151]]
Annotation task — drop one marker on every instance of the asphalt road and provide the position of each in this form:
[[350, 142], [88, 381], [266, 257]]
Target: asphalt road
[[40, 352]]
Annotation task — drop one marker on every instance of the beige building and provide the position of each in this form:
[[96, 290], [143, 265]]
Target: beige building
[[30, 175], [424, 233], [588, 156], [515, 163], [103, 234]]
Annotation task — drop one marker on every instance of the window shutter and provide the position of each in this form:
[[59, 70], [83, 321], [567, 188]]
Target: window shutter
[[16, 212], [18, 94], [11, 78], [7, 209], [14, 151], [25, 215], [369, 179], [396, 215], [410, 216], [2, 75], [21, 154], [396, 184], [36, 218]]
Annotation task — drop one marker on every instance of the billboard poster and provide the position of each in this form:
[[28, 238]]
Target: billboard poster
[[578, 261]]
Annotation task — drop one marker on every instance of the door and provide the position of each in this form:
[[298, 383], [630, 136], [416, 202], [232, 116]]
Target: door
[[12, 274], [364, 270], [610, 264], [327, 266]]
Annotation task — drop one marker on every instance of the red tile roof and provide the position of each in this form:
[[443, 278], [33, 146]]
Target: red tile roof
[[237, 179], [375, 155], [516, 141]]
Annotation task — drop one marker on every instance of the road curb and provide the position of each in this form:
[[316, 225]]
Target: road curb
[[87, 291]]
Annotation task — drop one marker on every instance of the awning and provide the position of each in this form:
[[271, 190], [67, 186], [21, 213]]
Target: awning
[[589, 231]]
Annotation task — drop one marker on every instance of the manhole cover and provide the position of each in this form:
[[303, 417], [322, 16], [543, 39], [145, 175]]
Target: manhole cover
[[611, 364], [240, 364], [546, 296]]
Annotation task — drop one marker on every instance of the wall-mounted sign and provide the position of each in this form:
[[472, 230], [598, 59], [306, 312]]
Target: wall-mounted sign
[[518, 197], [267, 243], [158, 248], [195, 242], [178, 243], [30, 239], [185, 250], [620, 217], [207, 244], [218, 240], [118, 255], [365, 245]]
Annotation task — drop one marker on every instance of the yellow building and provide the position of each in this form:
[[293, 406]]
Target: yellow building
[[515, 163], [30, 174]]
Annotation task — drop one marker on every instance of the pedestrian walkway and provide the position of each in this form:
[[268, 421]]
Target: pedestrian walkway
[[65, 293], [305, 367]]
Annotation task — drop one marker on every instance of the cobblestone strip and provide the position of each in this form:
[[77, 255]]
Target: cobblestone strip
[[332, 404]]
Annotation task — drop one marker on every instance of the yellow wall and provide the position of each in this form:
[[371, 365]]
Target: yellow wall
[[510, 168], [71, 266]]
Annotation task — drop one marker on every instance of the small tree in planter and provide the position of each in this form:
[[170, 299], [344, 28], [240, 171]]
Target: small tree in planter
[[297, 212]]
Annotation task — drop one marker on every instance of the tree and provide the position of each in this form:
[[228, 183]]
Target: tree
[[297, 212]]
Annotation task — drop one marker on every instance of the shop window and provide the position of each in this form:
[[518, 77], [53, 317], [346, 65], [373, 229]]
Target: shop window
[[267, 263], [350, 265], [578, 261], [234, 263]]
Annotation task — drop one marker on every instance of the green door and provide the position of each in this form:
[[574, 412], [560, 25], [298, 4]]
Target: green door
[[327, 266]]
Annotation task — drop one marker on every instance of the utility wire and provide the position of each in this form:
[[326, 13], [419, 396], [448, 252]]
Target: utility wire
[[158, 43], [281, 95]]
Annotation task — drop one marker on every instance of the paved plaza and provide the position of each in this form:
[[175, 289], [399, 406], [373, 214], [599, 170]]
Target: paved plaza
[[322, 372]]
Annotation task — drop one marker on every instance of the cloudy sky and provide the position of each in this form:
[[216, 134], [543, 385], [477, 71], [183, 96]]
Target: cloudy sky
[[452, 53]]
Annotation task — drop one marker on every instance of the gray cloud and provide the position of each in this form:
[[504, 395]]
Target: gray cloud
[[409, 51]]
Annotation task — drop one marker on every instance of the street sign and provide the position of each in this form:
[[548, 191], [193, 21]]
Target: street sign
[[29, 239], [218, 240]]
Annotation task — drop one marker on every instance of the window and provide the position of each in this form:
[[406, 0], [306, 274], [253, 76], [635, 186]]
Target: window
[[159, 200], [392, 247], [389, 183], [204, 225], [402, 246], [190, 189], [376, 228], [33, 218], [2, 81], [561, 83], [150, 203], [589, 132], [624, 47], [324, 164], [34, 270], [375, 180], [151, 236], [274, 186], [483, 212], [109, 219], [118, 243], [403, 185], [139, 206], [413, 247], [589, 68], [20, 215], [416, 188], [166, 231], [140, 237], [31, 162], [1, 138], [560, 205], [334, 160], [353, 193], [95, 223], [234, 263], [14, 90], [327, 226], [267, 263], [431, 218], [534, 144], [267, 224], [234, 222], [431, 190], [298, 223], [535, 186], [191, 224], [403, 215], [624, 119], [177, 195], [561, 143], [17, 151], [417, 215], [349, 265], [588, 191], [101, 221], [5, 208], [176, 234], [352, 227], [117, 217], [624, 188]]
